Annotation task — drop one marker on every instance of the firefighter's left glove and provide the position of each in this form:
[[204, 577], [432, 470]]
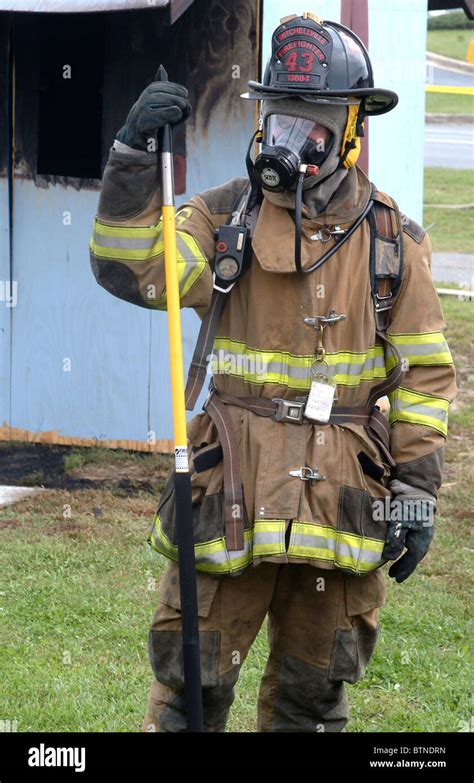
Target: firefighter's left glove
[[161, 103], [411, 525]]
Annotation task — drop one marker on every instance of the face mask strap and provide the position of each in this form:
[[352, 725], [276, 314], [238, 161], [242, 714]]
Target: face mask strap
[[257, 136], [350, 147]]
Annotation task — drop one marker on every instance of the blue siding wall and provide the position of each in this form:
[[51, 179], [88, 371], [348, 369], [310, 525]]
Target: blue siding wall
[[5, 312], [118, 385], [397, 38]]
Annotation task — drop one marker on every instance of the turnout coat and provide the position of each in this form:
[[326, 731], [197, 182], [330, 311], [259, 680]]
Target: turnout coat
[[264, 348]]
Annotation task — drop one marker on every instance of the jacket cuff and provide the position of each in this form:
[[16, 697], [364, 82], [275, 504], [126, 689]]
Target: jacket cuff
[[129, 184], [119, 146], [425, 473]]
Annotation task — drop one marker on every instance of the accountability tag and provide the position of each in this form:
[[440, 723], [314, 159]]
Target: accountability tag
[[321, 397]]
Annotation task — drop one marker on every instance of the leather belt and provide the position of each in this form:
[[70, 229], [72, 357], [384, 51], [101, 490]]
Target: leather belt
[[282, 410]]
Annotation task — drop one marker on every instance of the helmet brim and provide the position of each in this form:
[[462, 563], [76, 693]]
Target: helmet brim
[[376, 100]]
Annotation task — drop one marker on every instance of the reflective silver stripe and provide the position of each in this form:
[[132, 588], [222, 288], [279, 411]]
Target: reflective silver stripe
[[192, 265], [424, 410], [260, 538], [349, 368], [242, 362], [356, 553], [421, 349], [128, 243], [218, 557], [222, 556], [278, 368]]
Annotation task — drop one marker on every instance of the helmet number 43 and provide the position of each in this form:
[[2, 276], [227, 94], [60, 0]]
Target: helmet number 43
[[303, 63]]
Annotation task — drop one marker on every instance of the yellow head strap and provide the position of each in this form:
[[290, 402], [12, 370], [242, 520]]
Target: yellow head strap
[[350, 135]]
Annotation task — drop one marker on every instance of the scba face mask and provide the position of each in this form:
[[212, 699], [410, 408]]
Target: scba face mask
[[291, 145]]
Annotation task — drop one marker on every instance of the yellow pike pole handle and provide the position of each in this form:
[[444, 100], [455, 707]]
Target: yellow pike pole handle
[[182, 477]]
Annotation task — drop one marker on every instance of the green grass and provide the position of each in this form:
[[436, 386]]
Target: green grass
[[450, 43], [75, 607], [445, 103], [98, 455], [450, 230], [77, 595], [77, 604], [448, 186]]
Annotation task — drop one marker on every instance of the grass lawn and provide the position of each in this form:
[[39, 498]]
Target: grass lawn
[[78, 591], [445, 103], [450, 43], [451, 230]]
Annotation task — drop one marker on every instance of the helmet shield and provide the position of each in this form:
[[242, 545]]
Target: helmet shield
[[308, 140], [320, 61]]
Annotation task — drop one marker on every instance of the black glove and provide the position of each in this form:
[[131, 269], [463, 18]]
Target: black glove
[[159, 104], [411, 526]]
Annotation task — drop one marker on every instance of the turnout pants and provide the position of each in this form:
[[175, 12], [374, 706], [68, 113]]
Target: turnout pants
[[322, 630]]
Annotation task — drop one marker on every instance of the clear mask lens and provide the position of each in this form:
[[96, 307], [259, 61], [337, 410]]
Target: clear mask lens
[[307, 139]]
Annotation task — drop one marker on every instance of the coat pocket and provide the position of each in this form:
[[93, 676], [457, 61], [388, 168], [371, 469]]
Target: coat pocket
[[208, 517], [361, 520], [206, 469], [210, 546]]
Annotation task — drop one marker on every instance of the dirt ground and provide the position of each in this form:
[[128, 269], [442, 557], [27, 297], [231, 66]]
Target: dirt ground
[[65, 467]]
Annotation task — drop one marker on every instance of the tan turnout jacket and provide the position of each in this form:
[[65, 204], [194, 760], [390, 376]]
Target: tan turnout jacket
[[264, 348]]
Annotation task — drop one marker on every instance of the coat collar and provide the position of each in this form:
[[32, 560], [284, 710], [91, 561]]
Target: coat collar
[[274, 239]]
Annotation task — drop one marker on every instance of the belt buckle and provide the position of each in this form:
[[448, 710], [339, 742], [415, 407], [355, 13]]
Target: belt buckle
[[288, 411], [383, 302]]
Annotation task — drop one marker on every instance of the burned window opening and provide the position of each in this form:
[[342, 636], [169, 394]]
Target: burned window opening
[[70, 95]]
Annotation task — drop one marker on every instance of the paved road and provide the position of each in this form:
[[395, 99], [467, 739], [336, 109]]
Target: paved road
[[454, 268], [445, 77], [449, 145]]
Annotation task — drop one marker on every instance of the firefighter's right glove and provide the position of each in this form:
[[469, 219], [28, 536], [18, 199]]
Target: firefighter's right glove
[[411, 525], [161, 103]]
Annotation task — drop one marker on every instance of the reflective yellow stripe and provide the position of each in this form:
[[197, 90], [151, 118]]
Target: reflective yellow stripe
[[191, 265], [123, 231], [352, 552], [268, 537], [211, 557], [349, 551], [415, 408], [423, 349], [127, 243], [132, 244], [347, 368]]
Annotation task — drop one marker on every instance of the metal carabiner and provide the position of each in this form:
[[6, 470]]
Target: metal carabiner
[[307, 474], [328, 233]]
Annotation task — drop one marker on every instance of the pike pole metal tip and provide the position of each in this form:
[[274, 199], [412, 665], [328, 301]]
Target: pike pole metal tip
[[184, 515]]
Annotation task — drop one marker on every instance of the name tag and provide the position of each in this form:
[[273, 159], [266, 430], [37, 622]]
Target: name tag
[[320, 399]]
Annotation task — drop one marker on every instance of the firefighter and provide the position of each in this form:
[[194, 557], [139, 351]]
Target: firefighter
[[316, 300]]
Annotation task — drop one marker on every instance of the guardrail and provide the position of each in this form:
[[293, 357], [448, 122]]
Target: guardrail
[[462, 294], [453, 90]]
